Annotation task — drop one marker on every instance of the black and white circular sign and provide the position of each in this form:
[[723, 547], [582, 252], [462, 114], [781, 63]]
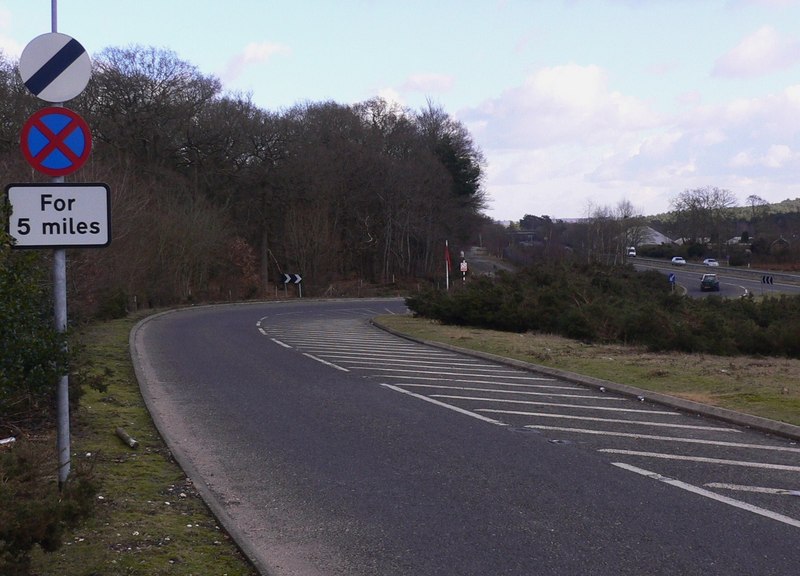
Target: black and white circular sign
[[55, 67]]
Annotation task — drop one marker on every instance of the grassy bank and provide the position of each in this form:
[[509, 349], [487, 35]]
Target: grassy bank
[[766, 387], [149, 519]]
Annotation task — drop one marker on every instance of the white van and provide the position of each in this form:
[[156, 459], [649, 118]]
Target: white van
[[632, 252]]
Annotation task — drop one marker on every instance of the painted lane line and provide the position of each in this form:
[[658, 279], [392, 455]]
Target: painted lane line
[[445, 373], [758, 489], [577, 406], [708, 494], [608, 420], [490, 382], [362, 354], [470, 369], [523, 392], [434, 379], [703, 459], [371, 358], [279, 343], [360, 351], [334, 342], [664, 438], [445, 405], [331, 364], [377, 358]]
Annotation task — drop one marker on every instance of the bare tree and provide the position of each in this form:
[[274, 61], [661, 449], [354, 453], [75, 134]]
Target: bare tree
[[702, 214], [758, 206]]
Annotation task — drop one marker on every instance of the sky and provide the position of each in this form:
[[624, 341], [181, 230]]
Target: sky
[[576, 105]]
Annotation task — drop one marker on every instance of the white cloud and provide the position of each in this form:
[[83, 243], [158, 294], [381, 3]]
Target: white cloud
[[562, 104], [253, 53], [770, 3], [565, 140], [760, 53], [391, 96], [775, 157], [9, 47], [427, 83]]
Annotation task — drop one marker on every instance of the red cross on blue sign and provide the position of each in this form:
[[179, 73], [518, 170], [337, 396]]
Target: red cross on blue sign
[[56, 141]]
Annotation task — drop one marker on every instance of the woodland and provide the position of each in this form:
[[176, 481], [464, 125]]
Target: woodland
[[214, 198]]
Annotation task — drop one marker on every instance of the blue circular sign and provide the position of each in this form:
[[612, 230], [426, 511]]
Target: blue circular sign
[[56, 141]]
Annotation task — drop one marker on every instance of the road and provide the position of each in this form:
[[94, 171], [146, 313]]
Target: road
[[734, 282], [329, 447]]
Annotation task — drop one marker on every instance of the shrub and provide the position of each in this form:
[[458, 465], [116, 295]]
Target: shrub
[[34, 353], [33, 511], [618, 304]]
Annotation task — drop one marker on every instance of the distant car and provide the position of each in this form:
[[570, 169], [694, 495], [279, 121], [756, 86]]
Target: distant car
[[678, 261], [632, 252], [709, 283], [710, 262]]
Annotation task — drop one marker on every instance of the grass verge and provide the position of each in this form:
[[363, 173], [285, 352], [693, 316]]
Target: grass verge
[[149, 519], [766, 387]]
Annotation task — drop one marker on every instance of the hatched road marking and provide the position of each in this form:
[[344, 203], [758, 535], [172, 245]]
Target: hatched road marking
[[708, 494], [702, 459]]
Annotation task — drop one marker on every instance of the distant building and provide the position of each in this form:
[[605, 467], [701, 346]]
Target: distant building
[[650, 236]]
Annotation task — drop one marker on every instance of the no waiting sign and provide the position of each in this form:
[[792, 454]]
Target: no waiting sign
[[56, 141], [55, 67]]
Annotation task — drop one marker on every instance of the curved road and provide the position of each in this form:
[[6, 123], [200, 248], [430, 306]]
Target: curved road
[[328, 447], [734, 282]]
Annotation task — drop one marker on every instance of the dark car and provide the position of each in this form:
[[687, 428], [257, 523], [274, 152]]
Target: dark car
[[709, 283]]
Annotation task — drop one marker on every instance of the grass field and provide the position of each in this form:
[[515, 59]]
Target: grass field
[[151, 522], [766, 387]]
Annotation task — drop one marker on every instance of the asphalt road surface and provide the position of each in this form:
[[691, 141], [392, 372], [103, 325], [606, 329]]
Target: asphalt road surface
[[734, 282], [329, 447]]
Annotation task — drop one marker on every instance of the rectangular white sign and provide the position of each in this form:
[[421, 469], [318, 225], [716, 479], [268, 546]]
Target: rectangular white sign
[[59, 215]]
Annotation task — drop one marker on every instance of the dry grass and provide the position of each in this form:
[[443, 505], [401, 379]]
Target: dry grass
[[766, 387]]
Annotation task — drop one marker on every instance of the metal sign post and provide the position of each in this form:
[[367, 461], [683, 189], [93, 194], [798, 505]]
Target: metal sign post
[[60, 312], [56, 68]]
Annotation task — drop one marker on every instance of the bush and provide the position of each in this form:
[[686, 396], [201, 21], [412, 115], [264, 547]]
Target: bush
[[34, 353], [33, 511], [618, 304]]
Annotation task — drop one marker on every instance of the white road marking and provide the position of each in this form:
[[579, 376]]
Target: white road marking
[[665, 438], [435, 379], [609, 420], [280, 343], [334, 342], [423, 366], [758, 489], [364, 358], [702, 459], [578, 406], [523, 392], [331, 364], [708, 494], [378, 368], [444, 405]]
